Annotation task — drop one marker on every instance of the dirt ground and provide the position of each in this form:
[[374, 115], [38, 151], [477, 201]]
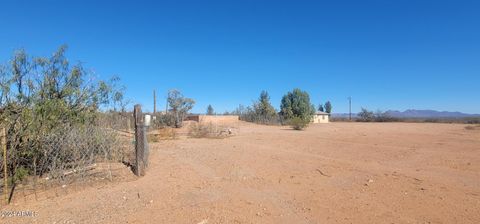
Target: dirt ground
[[330, 173]]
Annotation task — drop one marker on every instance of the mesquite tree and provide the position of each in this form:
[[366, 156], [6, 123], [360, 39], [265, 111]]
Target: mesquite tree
[[39, 95], [179, 106]]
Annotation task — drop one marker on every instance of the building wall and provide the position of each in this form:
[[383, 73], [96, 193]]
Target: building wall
[[214, 118], [320, 118]]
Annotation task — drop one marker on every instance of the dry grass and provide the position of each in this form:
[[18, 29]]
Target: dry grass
[[209, 130], [269, 174], [166, 133], [472, 127]]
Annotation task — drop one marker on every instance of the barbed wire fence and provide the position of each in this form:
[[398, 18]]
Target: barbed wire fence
[[72, 158]]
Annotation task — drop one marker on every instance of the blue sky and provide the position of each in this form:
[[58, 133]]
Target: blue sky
[[385, 54]]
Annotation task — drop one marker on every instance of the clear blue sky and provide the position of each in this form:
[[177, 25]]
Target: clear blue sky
[[385, 54]]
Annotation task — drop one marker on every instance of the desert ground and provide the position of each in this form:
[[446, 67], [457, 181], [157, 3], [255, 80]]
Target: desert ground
[[329, 173]]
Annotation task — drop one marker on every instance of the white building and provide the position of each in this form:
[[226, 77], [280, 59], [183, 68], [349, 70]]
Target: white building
[[321, 117]]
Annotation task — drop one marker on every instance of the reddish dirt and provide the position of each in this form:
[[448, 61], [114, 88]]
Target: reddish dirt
[[330, 173]]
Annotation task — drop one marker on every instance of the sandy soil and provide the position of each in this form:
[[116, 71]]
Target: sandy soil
[[330, 173]]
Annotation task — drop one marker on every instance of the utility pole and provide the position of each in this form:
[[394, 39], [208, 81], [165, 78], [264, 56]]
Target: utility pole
[[350, 108], [166, 106], [154, 102]]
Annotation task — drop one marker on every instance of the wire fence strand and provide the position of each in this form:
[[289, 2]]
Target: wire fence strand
[[70, 158]]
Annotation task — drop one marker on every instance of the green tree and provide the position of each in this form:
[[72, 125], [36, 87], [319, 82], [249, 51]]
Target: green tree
[[179, 106], [263, 107], [328, 107], [261, 111], [297, 104], [320, 108], [210, 110]]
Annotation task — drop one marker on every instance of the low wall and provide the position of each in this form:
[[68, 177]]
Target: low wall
[[214, 118]]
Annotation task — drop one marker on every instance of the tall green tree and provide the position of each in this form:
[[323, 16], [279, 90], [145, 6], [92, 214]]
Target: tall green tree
[[263, 111], [320, 108], [297, 104], [264, 107], [210, 110], [328, 107]]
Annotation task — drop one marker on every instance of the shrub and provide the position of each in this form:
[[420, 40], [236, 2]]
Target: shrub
[[252, 114], [298, 123], [164, 120], [432, 120], [472, 127], [473, 120]]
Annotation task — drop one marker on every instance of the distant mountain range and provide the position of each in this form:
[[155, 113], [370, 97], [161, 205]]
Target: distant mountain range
[[411, 113], [429, 113]]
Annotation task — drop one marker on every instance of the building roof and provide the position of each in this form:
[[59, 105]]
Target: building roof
[[321, 113]]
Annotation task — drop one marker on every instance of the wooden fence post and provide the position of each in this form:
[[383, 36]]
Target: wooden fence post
[[3, 143], [139, 141]]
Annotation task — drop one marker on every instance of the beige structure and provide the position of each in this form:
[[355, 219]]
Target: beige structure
[[213, 118], [321, 117]]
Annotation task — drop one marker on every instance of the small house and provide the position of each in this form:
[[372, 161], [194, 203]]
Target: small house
[[321, 117]]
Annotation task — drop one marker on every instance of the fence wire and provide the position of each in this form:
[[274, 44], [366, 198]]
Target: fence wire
[[70, 158]]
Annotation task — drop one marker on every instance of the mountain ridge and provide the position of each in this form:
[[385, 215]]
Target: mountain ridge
[[414, 113]]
